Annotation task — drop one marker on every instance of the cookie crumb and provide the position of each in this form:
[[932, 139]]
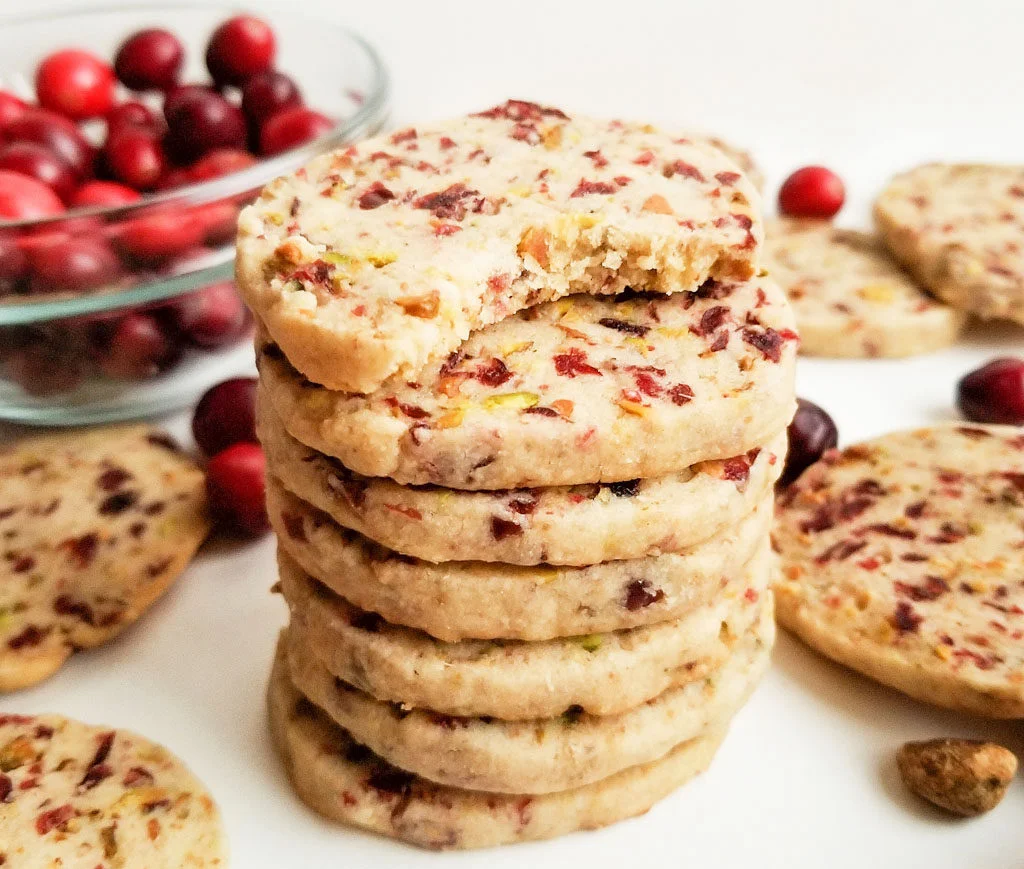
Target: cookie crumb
[[965, 777]]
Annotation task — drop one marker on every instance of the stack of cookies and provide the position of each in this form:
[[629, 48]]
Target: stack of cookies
[[523, 399]]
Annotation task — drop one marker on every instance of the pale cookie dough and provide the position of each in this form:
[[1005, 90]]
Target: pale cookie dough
[[960, 231], [77, 796], [346, 782], [850, 298], [373, 260], [575, 525], [537, 756], [94, 527], [458, 600], [603, 674], [903, 557], [582, 390]]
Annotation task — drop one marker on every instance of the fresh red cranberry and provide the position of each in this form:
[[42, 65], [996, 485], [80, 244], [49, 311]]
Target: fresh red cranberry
[[160, 237], [223, 161], [240, 48], [135, 158], [236, 489], [140, 346], [813, 191], [149, 60], [291, 128], [204, 123], [108, 194], [266, 94], [178, 95], [811, 433], [55, 132], [24, 198], [212, 317], [13, 264], [38, 162], [42, 366], [994, 393], [73, 265], [11, 107], [76, 84], [220, 223], [226, 415], [176, 176], [134, 115]]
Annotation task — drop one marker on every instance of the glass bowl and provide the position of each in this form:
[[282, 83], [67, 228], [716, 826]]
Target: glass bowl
[[86, 295]]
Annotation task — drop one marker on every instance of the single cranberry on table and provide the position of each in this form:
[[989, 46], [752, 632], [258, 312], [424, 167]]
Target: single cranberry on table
[[135, 157], [24, 198], [812, 191], [994, 393], [150, 59], [76, 84], [236, 489], [139, 346], [266, 94], [32, 159], [811, 434], [213, 316], [54, 132], [107, 194], [226, 415], [202, 124], [73, 265], [240, 48], [134, 115], [159, 237], [291, 128], [11, 107]]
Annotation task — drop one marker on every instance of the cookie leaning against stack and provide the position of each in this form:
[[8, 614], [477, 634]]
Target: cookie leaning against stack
[[555, 525]]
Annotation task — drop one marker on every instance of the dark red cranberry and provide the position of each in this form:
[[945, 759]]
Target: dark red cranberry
[[24, 198], [994, 393], [55, 132], [236, 489], [240, 48], [38, 162], [202, 124], [73, 265], [45, 367], [13, 264], [811, 433], [135, 157], [134, 115], [266, 94], [212, 317], [76, 84], [813, 191], [176, 176], [140, 346], [226, 415], [107, 194], [11, 107], [149, 60], [223, 161], [177, 96], [291, 128], [159, 237]]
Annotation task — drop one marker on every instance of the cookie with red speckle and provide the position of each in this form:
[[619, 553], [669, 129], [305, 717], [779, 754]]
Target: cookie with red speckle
[[74, 795], [346, 782], [851, 299], [583, 390], [742, 158], [903, 558], [457, 600], [603, 674], [371, 261], [959, 228], [540, 755], [553, 525], [94, 527]]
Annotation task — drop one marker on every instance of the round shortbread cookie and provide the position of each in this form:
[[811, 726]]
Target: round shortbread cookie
[[603, 674], [346, 782], [537, 756], [74, 795], [960, 230], [583, 390], [850, 298], [903, 557], [94, 526], [575, 525], [458, 600], [371, 261]]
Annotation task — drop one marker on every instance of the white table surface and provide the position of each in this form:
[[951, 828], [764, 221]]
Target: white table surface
[[806, 778]]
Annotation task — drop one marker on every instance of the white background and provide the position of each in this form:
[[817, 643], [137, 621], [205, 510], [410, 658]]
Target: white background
[[806, 778]]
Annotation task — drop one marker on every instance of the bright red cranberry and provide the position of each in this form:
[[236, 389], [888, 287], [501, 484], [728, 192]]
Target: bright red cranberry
[[204, 123], [236, 489], [73, 265], [223, 161], [159, 237], [811, 433], [38, 162], [266, 94], [134, 115], [76, 84], [150, 60], [994, 393], [135, 158], [55, 132], [24, 198], [140, 346], [107, 194], [220, 223], [291, 128], [212, 317], [11, 107], [813, 191], [240, 48], [226, 415]]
